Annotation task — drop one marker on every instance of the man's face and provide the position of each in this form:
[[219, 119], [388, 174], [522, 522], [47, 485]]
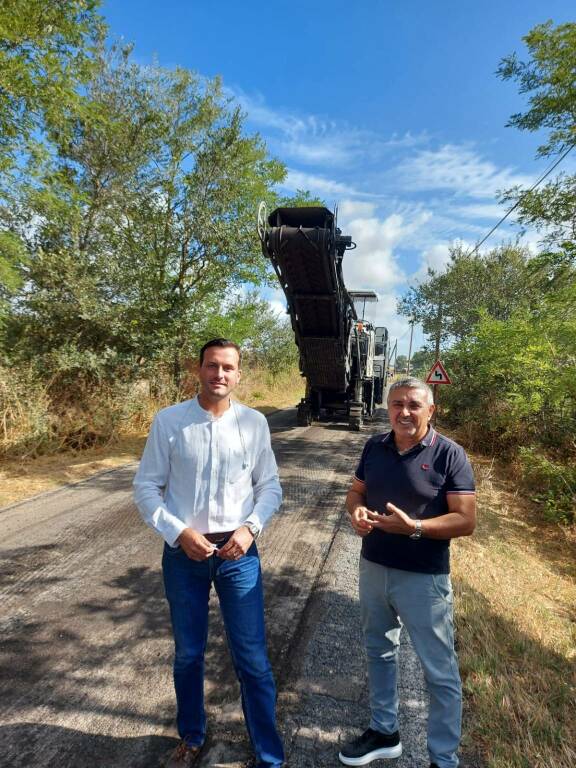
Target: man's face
[[219, 373], [409, 413]]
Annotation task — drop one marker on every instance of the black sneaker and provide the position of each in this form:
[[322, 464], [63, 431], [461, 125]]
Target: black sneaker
[[372, 745]]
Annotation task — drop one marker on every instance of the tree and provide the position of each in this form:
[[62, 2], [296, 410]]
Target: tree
[[401, 363], [421, 362], [44, 55], [516, 379], [548, 77], [449, 304], [266, 336], [144, 220]]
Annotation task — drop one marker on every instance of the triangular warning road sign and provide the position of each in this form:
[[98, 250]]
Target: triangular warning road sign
[[438, 374]]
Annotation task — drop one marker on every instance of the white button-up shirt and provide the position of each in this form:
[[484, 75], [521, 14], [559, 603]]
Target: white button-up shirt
[[206, 473]]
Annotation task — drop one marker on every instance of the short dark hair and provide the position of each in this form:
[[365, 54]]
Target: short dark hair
[[224, 344]]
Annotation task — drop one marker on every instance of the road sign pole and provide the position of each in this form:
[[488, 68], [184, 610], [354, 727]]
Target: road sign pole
[[437, 376], [410, 347]]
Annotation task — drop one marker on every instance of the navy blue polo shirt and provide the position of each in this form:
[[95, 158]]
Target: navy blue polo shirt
[[418, 482]]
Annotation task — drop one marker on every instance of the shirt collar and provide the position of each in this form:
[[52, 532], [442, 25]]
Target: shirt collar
[[428, 439], [204, 415]]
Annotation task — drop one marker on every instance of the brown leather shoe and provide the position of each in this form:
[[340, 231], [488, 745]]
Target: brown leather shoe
[[182, 757]]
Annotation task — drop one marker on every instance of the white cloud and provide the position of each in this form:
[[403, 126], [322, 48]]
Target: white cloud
[[373, 265], [278, 307], [352, 209], [315, 141], [340, 146], [404, 198], [319, 152], [436, 257], [457, 169], [491, 211], [258, 112], [408, 140], [316, 184]]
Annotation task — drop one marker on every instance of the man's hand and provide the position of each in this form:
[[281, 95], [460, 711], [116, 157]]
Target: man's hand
[[195, 545], [395, 522], [237, 545], [359, 518]]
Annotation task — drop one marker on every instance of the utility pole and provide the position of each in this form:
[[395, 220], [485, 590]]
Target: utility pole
[[389, 360], [437, 353], [410, 347]]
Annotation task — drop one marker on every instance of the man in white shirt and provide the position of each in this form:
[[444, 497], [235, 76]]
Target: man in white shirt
[[208, 483]]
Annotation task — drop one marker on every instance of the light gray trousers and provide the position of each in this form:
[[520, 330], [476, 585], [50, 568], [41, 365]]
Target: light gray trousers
[[389, 599]]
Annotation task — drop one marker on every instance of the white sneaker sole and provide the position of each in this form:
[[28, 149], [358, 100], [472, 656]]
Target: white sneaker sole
[[386, 753]]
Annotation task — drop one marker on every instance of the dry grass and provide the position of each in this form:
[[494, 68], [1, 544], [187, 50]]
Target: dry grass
[[516, 613], [22, 478], [259, 391]]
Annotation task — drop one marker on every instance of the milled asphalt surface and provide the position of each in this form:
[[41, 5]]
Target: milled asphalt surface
[[327, 702], [85, 648]]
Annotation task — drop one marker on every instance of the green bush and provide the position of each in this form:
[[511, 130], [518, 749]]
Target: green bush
[[553, 485]]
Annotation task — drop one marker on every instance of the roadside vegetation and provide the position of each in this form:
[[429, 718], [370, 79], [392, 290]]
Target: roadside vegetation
[[515, 602], [505, 318], [128, 198]]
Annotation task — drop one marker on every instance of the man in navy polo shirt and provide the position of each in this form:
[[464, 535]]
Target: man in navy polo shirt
[[412, 492]]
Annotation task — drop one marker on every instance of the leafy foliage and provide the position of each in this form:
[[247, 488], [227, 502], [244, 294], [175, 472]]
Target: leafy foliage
[[553, 484], [128, 198], [44, 56], [451, 302], [515, 382], [548, 78], [139, 226], [422, 361], [401, 362]]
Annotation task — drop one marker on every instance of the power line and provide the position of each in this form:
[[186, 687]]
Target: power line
[[522, 196]]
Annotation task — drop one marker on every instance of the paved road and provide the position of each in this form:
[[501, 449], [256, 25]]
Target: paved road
[[85, 640]]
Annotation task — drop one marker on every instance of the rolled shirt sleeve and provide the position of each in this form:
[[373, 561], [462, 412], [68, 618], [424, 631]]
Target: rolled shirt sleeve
[[150, 483], [265, 481]]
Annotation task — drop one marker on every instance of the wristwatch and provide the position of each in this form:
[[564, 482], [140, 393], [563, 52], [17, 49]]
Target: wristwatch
[[254, 529], [418, 532]]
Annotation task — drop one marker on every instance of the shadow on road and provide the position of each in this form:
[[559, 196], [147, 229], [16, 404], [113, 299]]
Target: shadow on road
[[53, 746]]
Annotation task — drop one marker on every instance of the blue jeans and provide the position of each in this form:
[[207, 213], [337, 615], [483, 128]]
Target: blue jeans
[[422, 602], [239, 587]]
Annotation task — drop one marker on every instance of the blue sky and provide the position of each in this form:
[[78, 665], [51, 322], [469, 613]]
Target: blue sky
[[390, 109]]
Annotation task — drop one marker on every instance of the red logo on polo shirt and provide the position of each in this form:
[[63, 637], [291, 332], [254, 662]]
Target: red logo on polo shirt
[[425, 466]]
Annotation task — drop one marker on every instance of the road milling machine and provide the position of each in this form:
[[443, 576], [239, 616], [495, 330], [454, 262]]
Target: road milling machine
[[342, 356]]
